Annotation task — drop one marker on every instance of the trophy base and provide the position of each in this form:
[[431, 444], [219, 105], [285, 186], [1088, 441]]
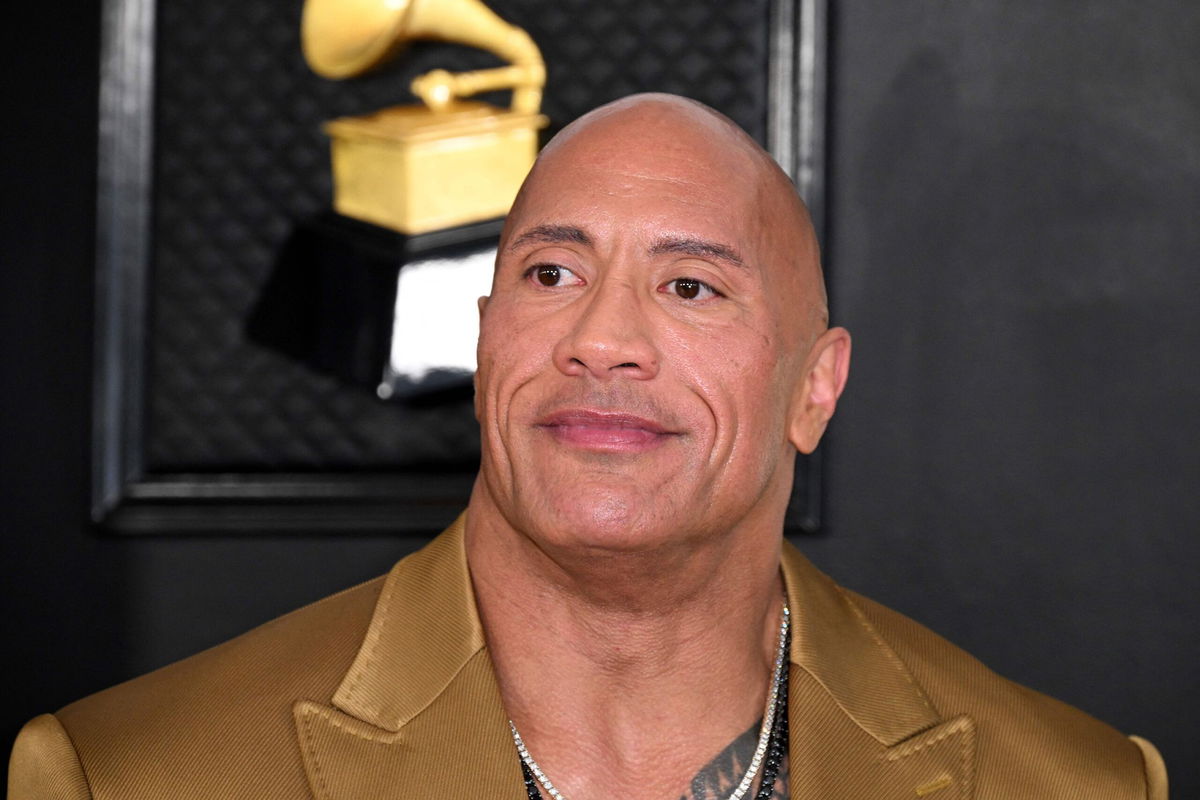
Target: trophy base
[[331, 303], [415, 170]]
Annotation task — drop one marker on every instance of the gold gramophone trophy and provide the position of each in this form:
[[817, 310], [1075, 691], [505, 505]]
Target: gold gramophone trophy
[[450, 161]]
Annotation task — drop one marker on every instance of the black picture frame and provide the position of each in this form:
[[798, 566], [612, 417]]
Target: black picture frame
[[127, 499]]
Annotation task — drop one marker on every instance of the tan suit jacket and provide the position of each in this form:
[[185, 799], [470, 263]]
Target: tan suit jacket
[[386, 690]]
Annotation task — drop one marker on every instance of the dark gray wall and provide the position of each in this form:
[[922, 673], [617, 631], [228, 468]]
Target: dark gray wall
[[1013, 243], [61, 618]]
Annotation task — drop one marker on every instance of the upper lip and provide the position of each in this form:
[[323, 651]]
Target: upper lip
[[600, 419]]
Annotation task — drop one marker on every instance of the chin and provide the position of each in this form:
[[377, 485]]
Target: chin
[[607, 521]]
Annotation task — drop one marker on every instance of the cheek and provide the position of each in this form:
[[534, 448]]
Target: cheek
[[511, 351], [752, 375], [490, 365], [748, 364], [726, 374]]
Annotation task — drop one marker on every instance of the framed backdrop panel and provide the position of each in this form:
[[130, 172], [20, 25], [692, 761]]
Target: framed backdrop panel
[[211, 153]]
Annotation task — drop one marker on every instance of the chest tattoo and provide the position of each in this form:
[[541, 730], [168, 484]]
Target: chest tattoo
[[720, 776]]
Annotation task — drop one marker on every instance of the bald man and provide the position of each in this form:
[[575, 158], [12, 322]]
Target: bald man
[[616, 615]]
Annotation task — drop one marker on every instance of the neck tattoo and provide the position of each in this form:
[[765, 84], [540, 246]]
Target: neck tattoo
[[768, 755]]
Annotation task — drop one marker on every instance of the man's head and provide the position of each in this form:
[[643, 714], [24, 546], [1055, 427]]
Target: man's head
[[654, 349]]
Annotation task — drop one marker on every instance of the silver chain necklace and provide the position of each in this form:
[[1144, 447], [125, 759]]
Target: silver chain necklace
[[764, 733]]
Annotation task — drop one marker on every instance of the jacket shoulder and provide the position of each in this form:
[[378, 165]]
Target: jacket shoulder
[[230, 705], [44, 763], [1029, 743]]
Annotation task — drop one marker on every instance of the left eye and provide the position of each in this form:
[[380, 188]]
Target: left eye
[[691, 289], [552, 275]]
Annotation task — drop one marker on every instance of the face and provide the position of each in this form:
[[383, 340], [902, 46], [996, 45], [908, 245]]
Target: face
[[639, 356]]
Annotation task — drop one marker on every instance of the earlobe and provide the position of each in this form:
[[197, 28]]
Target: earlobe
[[821, 385], [482, 303]]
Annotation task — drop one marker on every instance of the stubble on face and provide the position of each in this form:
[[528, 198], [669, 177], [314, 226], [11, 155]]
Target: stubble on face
[[711, 413]]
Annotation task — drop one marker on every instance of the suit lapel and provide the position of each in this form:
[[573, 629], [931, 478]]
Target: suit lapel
[[861, 726], [418, 713], [457, 747]]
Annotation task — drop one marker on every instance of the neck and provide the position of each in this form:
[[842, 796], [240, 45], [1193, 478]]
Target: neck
[[627, 672]]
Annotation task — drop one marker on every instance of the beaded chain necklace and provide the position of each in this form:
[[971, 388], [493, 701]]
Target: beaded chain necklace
[[768, 755]]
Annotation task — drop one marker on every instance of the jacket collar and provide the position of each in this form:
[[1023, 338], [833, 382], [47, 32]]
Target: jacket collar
[[419, 712], [834, 643], [860, 724], [425, 629]]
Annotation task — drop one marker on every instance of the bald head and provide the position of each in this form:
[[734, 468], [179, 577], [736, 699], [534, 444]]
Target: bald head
[[654, 350], [683, 144], [661, 119]]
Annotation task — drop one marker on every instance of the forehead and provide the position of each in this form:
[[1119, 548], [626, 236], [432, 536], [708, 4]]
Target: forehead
[[642, 181]]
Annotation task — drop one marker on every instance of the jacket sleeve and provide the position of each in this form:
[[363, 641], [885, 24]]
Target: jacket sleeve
[[1156, 770], [44, 764]]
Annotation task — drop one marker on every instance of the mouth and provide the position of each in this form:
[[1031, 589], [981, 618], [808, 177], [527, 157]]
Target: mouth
[[604, 431]]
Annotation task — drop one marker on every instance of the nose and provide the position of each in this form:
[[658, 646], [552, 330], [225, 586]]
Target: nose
[[610, 336]]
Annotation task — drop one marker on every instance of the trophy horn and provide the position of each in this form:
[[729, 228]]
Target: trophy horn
[[343, 38]]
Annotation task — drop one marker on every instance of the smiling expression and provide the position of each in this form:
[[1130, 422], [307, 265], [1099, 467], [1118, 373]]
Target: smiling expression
[[642, 350]]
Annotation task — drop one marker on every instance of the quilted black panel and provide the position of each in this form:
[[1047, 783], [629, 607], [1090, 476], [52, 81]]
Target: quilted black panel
[[240, 157]]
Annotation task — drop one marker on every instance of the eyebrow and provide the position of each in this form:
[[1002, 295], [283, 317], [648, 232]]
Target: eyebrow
[[552, 234], [691, 246], [686, 245]]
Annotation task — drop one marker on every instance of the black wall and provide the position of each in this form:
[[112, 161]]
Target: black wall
[[1013, 242]]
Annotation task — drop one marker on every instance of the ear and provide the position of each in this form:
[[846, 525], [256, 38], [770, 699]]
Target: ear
[[818, 391], [482, 304]]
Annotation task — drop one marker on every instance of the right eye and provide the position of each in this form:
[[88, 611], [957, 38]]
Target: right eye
[[551, 275]]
